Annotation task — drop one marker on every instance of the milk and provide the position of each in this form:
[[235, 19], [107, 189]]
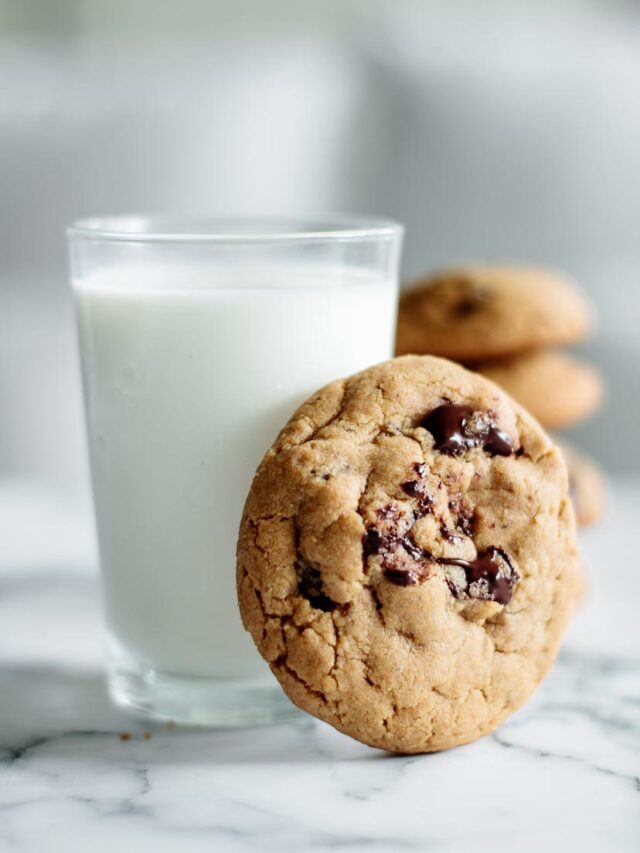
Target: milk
[[188, 377]]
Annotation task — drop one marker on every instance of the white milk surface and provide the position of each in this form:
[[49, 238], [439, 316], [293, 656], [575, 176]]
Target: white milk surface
[[188, 377]]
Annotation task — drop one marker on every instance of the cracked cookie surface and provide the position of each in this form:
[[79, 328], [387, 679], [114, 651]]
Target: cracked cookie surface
[[407, 559]]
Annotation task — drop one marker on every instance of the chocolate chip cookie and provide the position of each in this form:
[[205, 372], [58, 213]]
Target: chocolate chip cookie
[[556, 388], [407, 559], [587, 484], [478, 313]]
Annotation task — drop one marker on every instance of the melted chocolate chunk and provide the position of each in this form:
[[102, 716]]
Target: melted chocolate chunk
[[498, 443], [413, 488], [389, 533], [416, 489], [490, 577], [372, 542], [412, 549], [392, 523], [310, 587], [465, 520], [401, 576], [465, 515], [405, 564], [457, 429]]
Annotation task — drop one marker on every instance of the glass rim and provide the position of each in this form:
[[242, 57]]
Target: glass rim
[[210, 229]]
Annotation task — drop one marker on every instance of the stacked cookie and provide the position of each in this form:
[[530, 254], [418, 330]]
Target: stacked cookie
[[508, 323]]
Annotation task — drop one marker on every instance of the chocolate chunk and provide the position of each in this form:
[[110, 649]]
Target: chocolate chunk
[[372, 542], [389, 533], [401, 577], [466, 306], [418, 490], [464, 521], [421, 469], [388, 512], [412, 549], [490, 577], [472, 298], [464, 515], [310, 587], [457, 429], [498, 443], [449, 535], [405, 564], [413, 488]]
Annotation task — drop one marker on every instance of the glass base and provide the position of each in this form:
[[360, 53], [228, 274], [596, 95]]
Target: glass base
[[197, 701]]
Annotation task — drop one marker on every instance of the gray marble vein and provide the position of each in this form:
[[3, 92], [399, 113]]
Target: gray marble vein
[[563, 773]]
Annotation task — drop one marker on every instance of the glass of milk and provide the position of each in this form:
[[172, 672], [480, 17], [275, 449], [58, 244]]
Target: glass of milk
[[198, 340]]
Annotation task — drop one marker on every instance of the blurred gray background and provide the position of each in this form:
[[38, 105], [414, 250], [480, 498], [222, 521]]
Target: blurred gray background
[[493, 130]]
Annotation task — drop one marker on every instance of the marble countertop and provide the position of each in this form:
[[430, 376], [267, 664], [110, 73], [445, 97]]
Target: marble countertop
[[563, 773]]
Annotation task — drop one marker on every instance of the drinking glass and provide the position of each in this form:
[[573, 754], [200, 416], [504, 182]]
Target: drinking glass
[[198, 339]]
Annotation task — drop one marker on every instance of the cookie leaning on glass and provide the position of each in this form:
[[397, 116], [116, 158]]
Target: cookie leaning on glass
[[407, 560]]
